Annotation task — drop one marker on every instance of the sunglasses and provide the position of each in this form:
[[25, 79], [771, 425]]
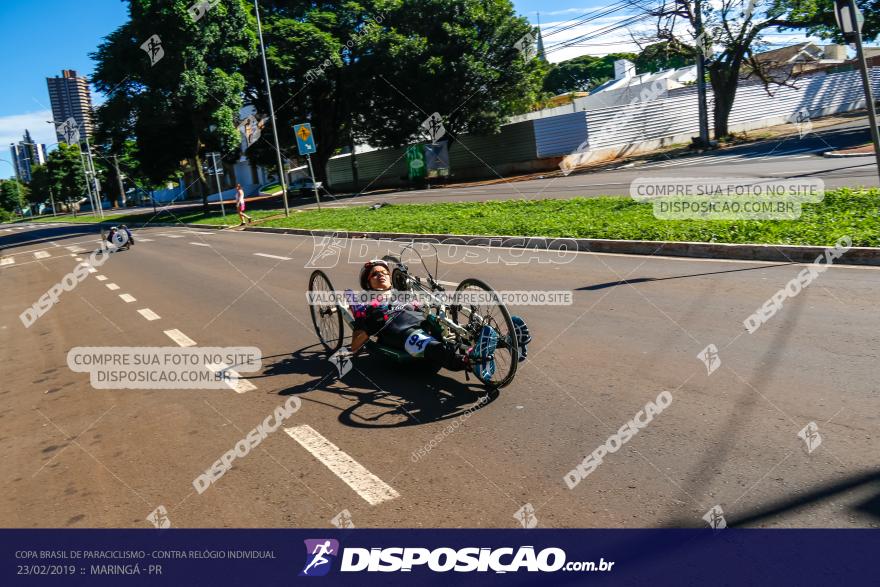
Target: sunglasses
[[378, 273]]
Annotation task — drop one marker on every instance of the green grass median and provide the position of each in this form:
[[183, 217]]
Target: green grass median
[[162, 217], [844, 212]]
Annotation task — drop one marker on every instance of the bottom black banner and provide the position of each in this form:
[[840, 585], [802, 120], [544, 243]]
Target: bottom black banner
[[434, 557]]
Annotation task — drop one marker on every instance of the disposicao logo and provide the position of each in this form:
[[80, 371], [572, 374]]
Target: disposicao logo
[[320, 554]]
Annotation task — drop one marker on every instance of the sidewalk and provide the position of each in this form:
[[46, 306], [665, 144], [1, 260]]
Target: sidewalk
[[863, 151]]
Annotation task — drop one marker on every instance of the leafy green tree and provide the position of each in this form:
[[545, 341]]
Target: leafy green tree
[[458, 58], [13, 195], [732, 37], [62, 177], [181, 102], [313, 51], [582, 73], [664, 55], [818, 18]]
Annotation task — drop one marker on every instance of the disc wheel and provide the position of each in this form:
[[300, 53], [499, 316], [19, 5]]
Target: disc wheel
[[495, 314], [326, 316]]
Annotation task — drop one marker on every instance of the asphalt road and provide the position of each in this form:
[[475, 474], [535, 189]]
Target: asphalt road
[[74, 456], [791, 157]]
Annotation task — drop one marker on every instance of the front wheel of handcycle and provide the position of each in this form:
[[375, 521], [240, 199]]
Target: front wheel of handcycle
[[326, 315], [489, 310]]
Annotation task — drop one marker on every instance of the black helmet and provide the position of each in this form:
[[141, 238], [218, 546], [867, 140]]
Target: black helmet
[[365, 271]]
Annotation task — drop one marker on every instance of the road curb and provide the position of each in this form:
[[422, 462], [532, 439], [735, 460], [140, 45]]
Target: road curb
[[869, 256], [746, 252], [833, 155]]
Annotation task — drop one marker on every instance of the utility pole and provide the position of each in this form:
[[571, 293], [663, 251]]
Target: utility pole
[[281, 177], [88, 183], [119, 179], [94, 175], [214, 157], [701, 73], [52, 199], [850, 20], [354, 164]]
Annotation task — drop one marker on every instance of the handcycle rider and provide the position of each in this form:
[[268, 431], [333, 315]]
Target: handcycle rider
[[111, 234], [405, 327]]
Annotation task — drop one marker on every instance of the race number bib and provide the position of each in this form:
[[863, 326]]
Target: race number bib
[[416, 343]]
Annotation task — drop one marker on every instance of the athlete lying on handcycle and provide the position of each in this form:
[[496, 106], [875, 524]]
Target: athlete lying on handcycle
[[406, 327], [120, 236]]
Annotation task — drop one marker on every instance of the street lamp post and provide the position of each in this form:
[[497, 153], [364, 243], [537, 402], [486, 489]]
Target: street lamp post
[[272, 110], [94, 175], [82, 160], [850, 19]]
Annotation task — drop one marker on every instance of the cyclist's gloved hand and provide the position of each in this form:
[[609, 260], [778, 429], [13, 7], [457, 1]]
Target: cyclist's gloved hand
[[523, 337]]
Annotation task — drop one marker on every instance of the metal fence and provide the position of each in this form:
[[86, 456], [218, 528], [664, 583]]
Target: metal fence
[[611, 132]]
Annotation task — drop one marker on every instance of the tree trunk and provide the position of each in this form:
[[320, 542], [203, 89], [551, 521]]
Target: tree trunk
[[725, 80]]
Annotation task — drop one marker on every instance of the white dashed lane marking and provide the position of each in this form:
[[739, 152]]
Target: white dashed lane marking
[[41, 255], [101, 277], [200, 244], [272, 256], [144, 240], [180, 338], [148, 314], [7, 261], [355, 475], [127, 298], [238, 384], [112, 286]]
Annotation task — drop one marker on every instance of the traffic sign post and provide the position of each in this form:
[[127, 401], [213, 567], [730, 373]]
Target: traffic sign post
[[850, 20], [305, 143]]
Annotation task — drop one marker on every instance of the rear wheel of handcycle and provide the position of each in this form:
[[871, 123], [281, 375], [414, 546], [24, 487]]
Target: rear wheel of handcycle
[[495, 314], [326, 315]]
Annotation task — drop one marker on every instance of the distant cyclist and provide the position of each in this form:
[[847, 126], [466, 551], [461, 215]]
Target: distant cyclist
[[120, 237]]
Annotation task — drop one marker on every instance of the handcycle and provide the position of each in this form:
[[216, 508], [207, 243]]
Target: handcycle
[[454, 318], [118, 236]]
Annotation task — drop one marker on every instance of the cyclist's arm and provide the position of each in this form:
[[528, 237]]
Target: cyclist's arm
[[358, 339]]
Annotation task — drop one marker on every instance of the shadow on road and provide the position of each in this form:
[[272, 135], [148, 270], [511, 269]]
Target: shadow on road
[[599, 286], [382, 394], [833, 491]]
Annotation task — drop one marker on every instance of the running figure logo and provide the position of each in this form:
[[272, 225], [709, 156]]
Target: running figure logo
[[320, 554]]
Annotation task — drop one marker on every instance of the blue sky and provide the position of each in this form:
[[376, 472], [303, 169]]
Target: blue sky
[[33, 48]]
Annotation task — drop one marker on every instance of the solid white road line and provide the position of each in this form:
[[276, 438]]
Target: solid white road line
[[7, 261], [112, 286], [127, 298], [355, 475], [202, 232], [41, 255], [239, 385], [200, 244], [180, 338], [272, 256], [148, 314], [101, 277]]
